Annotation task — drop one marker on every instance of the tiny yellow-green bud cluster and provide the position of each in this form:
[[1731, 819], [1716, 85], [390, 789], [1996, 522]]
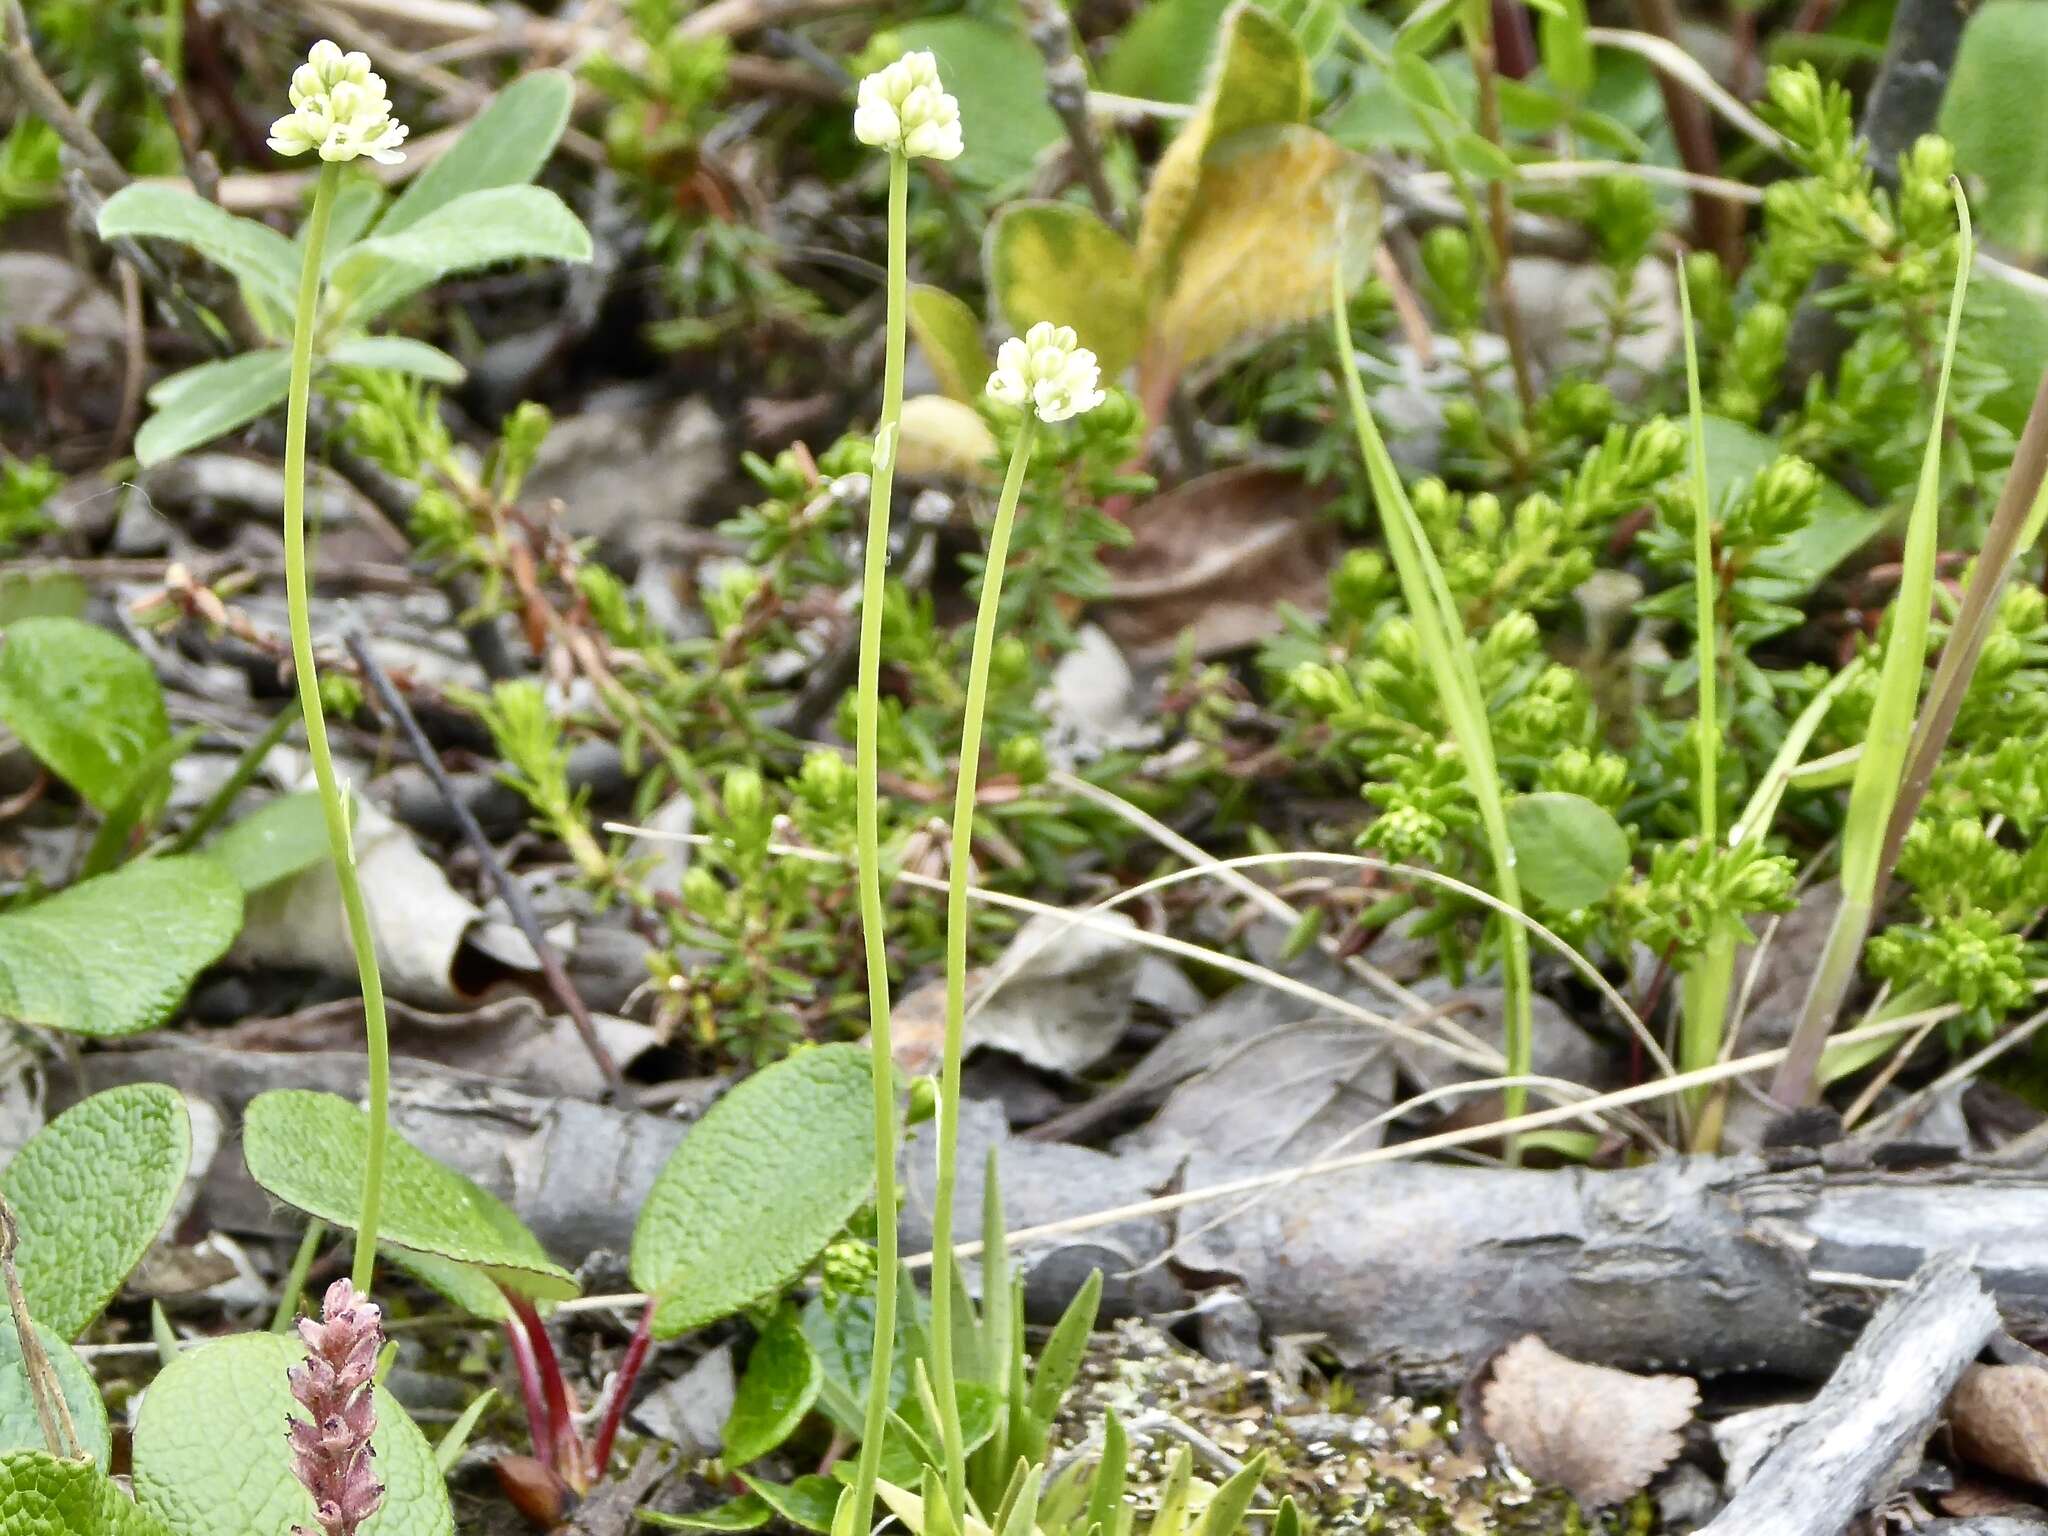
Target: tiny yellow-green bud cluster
[[1048, 370], [340, 109], [904, 108]]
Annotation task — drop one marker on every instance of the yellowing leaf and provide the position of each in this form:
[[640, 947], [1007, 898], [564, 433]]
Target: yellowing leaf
[[1258, 78], [950, 338], [1276, 208], [1053, 261]]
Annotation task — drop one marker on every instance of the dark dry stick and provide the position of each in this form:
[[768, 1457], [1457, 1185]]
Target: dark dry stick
[[515, 896], [44, 100], [53, 1414], [1066, 89], [1717, 224]]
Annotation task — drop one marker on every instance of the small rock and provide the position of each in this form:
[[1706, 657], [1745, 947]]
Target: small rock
[[623, 471], [690, 1411]]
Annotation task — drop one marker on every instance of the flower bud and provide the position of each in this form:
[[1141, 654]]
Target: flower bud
[[339, 109], [903, 108], [1048, 370]]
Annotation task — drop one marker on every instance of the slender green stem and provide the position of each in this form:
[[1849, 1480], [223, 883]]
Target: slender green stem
[[332, 802], [1704, 990], [1705, 651], [294, 1289], [1434, 612], [959, 875], [868, 837]]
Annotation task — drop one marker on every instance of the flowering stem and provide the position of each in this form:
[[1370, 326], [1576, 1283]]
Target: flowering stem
[[339, 846], [868, 839], [962, 867]]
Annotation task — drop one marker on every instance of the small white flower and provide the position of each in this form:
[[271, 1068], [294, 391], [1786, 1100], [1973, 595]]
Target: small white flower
[[1049, 370], [339, 109], [903, 107]]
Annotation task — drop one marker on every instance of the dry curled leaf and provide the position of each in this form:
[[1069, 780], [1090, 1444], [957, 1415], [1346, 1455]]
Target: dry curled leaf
[[1999, 1418], [1215, 557], [1600, 1433]]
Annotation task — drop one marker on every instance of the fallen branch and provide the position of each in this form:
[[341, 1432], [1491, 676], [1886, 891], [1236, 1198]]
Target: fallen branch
[[1879, 1405]]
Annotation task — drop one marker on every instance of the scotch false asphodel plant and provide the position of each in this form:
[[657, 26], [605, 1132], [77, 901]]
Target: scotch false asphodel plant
[[339, 110]]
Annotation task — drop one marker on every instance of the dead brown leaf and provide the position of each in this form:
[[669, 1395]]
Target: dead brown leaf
[[1214, 557], [1998, 1416], [1600, 1433]]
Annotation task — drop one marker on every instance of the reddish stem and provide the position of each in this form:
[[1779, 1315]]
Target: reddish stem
[[530, 1391], [622, 1391], [564, 1452]]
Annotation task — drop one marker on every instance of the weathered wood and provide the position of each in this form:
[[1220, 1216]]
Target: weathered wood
[[1876, 1409], [1413, 1273]]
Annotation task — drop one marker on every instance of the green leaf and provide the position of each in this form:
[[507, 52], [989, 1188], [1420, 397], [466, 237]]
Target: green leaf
[[480, 229], [1840, 524], [748, 1512], [1996, 115], [757, 1189], [469, 1288], [42, 1496], [2017, 341], [999, 78], [1053, 261], [782, 1381], [91, 1191], [1060, 1361], [277, 840], [841, 1331], [1163, 54], [1567, 51], [911, 1429], [357, 203], [20, 1428], [809, 1502], [203, 403], [1228, 1504], [308, 1150], [1568, 851], [505, 145], [116, 954], [950, 335], [255, 253], [84, 701], [398, 354], [211, 1457]]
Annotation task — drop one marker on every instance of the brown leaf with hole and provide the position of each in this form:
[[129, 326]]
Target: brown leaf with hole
[[1213, 557], [1600, 1433], [1998, 1416]]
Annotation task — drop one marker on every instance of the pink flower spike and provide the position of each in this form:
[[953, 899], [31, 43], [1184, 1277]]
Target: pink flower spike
[[331, 1452]]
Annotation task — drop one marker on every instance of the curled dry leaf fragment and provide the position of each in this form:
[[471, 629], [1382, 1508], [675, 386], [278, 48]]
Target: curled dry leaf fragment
[[1999, 1418], [1600, 1433]]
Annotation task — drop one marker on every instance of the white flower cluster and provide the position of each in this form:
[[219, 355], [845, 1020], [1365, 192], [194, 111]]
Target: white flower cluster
[[1049, 370], [338, 108], [903, 107]]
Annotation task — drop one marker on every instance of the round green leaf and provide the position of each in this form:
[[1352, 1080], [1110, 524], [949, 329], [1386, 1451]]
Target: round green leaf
[[84, 701], [308, 1149], [757, 1189], [20, 1427], [91, 1191], [277, 840], [748, 1512], [1996, 115], [1568, 851], [42, 1496], [116, 954], [1053, 261], [782, 1381], [211, 1457]]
